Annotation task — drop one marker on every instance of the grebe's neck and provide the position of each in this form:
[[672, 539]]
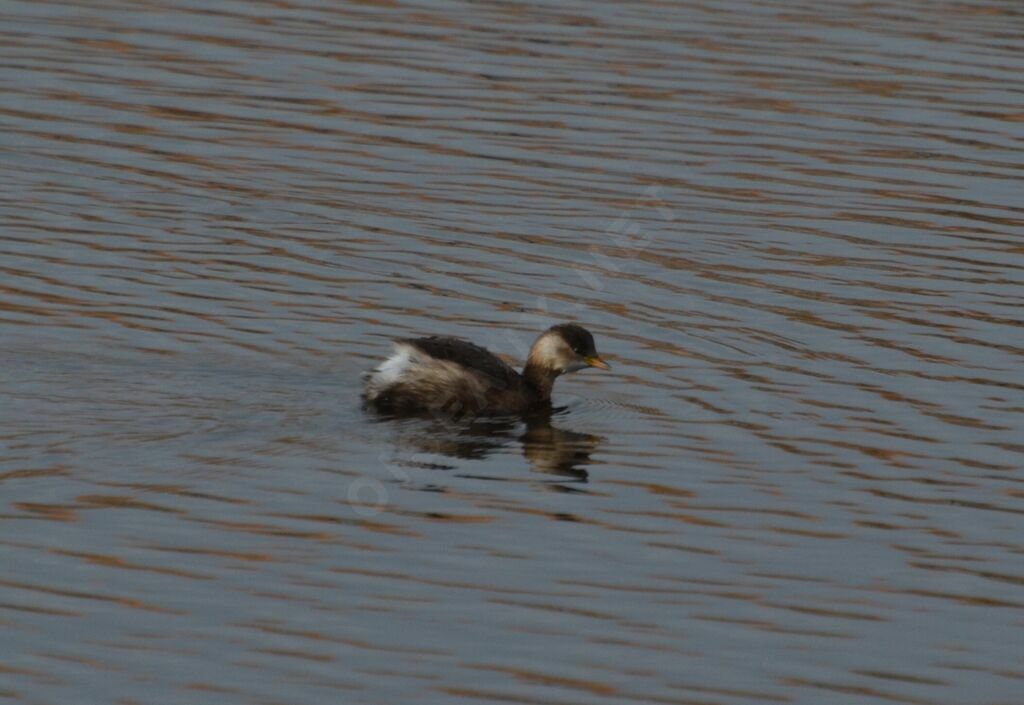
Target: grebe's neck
[[540, 378]]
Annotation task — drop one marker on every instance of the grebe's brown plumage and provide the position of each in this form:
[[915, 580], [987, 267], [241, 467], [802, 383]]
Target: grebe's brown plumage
[[454, 376]]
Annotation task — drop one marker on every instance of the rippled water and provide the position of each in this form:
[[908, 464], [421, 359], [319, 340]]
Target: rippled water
[[795, 229]]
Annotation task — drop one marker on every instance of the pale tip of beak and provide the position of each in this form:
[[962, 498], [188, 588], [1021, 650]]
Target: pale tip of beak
[[597, 362]]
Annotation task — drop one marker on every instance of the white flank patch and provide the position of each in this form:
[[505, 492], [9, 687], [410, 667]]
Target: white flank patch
[[392, 369]]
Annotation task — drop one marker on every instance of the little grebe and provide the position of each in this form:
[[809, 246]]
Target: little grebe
[[455, 376]]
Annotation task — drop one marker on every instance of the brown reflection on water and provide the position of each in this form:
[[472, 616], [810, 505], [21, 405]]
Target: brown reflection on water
[[547, 449]]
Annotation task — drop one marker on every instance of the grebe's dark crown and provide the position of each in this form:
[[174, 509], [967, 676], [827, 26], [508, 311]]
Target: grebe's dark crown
[[577, 337]]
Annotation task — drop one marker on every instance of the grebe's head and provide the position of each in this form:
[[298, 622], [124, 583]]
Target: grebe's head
[[566, 347]]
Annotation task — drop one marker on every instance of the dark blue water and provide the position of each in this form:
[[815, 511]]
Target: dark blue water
[[794, 229]]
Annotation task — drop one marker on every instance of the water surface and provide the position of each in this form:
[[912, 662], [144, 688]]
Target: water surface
[[794, 228]]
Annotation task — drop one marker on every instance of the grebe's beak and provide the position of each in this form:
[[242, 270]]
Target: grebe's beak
[[595, 361]]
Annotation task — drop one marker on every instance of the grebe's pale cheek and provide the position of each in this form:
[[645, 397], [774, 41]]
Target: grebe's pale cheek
[[575, 366], [548, 347]]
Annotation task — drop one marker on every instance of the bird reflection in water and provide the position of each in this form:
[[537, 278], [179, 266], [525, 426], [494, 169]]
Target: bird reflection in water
[[548, 449], [557, 451]]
